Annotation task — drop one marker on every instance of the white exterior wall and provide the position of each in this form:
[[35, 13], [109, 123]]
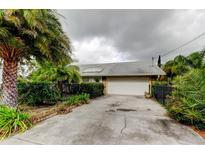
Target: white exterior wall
[[127, 86]]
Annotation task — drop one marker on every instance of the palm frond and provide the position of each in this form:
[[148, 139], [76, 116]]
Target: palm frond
[[10, 16], [4, 33], [30, 32], [38, 32]]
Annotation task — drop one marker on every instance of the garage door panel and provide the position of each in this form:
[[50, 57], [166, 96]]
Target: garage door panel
[[127, 86]]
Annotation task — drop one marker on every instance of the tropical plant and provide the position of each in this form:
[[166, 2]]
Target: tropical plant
[[12, 120], [56, 73], [188, 105], [29, 34]]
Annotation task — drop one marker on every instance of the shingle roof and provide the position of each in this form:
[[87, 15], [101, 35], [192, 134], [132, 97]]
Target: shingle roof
[[121, 69]]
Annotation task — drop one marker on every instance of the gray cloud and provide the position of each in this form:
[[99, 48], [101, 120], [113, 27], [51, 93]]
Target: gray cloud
[[132, 34]]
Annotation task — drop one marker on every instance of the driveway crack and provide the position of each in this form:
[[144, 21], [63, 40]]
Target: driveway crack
[[123, 128], [125, 124]]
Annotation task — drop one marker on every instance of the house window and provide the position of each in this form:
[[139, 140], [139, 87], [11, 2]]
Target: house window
[[92, 79], [85, 79], [97, 79]]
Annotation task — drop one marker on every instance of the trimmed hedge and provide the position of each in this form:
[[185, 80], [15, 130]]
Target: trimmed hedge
[[38, 93], [41, 93], [94, 89]]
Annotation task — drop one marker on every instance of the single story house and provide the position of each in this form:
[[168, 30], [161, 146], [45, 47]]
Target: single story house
[[123, 78]]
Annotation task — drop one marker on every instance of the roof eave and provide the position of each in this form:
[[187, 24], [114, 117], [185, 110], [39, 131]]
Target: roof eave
[[87, 75]]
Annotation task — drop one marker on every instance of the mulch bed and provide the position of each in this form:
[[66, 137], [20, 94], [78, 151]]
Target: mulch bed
[[40, 113]]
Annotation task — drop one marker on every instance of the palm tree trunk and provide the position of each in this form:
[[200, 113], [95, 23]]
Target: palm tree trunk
[[10, 92]]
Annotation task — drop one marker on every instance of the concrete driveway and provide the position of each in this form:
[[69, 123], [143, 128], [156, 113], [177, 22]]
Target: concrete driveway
[[111, 120]]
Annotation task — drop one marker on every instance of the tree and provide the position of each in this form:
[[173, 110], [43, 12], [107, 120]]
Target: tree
[[181, 65], [196, 59], [29, 34]]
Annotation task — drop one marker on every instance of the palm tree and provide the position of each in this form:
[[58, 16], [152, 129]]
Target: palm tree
[[28, 34]]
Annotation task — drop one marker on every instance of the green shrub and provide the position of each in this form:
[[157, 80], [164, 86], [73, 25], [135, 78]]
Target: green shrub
[[94, 89], [73, 100], [84, 97], [77, 99], [12, 120], [156, 83], [38, 93], [188, 105]]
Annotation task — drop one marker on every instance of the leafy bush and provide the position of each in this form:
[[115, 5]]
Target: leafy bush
[[84, 97], [77, 99], [38, 93], [188, 105], [93, 88], [12, 120]]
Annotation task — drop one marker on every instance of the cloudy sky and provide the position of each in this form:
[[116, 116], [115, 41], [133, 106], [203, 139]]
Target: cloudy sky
[[100, 36]]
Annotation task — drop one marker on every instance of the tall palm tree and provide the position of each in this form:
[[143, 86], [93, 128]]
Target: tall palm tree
[[28, 34]]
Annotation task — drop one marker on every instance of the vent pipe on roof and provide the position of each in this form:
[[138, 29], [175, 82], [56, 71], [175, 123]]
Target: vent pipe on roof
[[159, 61], [152, 61]]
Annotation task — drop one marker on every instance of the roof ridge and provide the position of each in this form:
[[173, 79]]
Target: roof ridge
[[116, 62]]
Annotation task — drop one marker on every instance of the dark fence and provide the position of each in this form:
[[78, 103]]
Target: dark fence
[[161, 92], [70, 88]]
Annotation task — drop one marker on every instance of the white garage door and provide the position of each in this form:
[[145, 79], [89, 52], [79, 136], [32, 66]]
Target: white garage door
[[127, 86]]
